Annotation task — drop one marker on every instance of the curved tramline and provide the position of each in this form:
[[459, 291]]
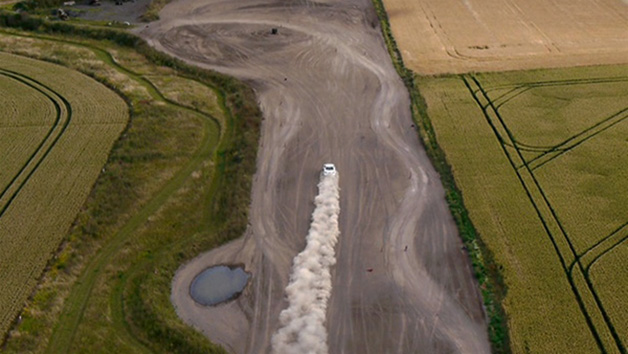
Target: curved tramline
[[562, 241], [544, 182], [62, 120], [40, 117], [50, 163]]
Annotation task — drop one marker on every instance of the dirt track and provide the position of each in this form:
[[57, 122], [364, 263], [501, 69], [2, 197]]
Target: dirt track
[[330, 94]]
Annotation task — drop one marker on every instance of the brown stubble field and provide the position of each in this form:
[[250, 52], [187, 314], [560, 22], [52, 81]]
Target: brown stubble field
[[454, 36]]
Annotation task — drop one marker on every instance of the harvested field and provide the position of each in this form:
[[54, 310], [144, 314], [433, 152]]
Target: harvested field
[[189, 93], [477, 35], [57, 128], [543, 167]]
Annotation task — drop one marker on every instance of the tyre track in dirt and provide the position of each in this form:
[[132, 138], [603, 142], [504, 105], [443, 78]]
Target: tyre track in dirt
[[329, 93]]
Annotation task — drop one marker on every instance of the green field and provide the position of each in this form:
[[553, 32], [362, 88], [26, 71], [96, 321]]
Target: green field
[[57, 127], [541, 158], [177, 182]]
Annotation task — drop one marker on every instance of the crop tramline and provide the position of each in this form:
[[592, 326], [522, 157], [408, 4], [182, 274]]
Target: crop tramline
[[50, 164], [23, 126], [568, 254], [61, 122], [541, 159]]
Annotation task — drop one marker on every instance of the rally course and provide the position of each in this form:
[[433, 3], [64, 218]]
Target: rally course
[[55, 139], [329, 93], [543, 167]]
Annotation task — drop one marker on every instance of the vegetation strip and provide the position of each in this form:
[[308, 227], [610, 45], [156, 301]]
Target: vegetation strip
[[63, 335], [489, 278], [223, 159]]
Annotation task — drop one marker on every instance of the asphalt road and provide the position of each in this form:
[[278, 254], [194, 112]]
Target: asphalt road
[[329, 93]]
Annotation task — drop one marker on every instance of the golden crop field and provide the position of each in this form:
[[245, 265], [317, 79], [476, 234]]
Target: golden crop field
[[541, 158], [448, 36], [23, 126], [56, 129]]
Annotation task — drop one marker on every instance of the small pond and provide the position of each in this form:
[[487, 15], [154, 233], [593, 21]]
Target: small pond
[[218, 284]]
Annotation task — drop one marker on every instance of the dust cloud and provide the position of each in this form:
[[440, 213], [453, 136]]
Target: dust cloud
[[302, 324]]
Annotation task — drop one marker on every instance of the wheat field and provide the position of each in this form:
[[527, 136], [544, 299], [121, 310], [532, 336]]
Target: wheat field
[[541, 158], [57, 127]]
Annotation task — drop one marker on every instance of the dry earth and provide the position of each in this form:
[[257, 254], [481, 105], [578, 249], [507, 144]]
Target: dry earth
[[330, 94], [494, 35]]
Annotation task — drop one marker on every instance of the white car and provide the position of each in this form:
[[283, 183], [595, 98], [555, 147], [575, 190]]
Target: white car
[[329, 169]]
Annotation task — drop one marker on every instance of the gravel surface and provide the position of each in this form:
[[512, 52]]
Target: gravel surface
[[329, 93]]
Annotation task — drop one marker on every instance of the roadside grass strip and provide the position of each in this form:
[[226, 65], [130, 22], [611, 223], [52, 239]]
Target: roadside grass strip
[[303, 322], [63, 335]]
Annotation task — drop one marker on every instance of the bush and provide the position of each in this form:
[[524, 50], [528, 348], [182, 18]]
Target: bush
[[20, 20]]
